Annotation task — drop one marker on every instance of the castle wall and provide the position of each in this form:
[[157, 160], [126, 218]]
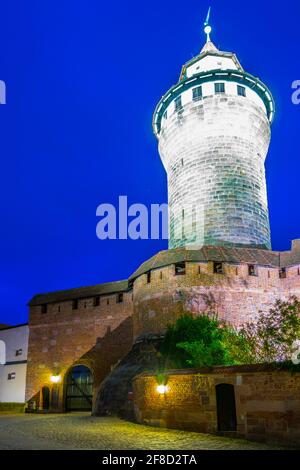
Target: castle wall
[[267, 402], [100, 336], [63, 336], [235, 296]]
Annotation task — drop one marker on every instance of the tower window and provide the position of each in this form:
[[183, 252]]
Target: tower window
[[219, 87], [148, 277], [179, 268], [119, 297], [282, 273], [165, 115], [19, 352], [178, 103], [11, 376], [75, 304], [197, 93], [218, 268], [44, 308], [97, 301], [241, 90], [252, 270]]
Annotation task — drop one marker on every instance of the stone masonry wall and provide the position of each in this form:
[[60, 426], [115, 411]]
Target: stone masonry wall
[[214, 152], [97, 336], [235, 296], [267, 402]]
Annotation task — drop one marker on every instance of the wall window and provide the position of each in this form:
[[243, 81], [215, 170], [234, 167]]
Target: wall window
[[197, 93], [180, 268], [241, 90], [165, 115], [178, 104], [218, 267], [119, 297], [219, 87], [75, 304], [282, 273], [252, 270], [97, 301], [11, 376], [44, 308], [148, 277], [19, 352], [107, 301]]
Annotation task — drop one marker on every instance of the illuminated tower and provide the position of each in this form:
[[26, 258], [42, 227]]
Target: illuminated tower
[[213, 129]]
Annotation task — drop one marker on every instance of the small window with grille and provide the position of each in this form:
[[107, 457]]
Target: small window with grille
[[218, 268], [282, 273], [197, 93], [252, 270], [44, 308], [178, 103], [179, 268], [241, 90], [219, 88]]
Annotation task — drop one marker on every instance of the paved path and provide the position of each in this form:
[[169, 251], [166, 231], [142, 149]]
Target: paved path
[[82, 431]]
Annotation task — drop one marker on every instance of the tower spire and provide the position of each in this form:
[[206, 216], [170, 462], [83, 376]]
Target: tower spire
[[207, 27]]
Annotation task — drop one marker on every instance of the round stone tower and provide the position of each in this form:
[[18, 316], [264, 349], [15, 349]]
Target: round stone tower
[[213, 129]]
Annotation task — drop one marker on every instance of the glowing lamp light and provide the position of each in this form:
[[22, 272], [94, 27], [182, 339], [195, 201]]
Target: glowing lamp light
[[207, 29], [162, 389], [55, 378]]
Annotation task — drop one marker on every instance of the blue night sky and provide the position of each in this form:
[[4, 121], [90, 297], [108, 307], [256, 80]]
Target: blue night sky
[[83, 79]]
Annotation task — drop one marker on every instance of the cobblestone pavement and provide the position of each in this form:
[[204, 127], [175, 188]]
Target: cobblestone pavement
[[82, 431]]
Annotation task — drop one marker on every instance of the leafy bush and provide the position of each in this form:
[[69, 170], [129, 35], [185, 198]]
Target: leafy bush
[[205, 341], [273, 338], [198, 341]]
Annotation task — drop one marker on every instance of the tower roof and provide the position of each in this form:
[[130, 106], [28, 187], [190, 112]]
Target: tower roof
[[209, 47]]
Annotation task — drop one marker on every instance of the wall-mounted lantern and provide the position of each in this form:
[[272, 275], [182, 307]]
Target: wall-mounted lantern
[[162, 389], [55, 378]]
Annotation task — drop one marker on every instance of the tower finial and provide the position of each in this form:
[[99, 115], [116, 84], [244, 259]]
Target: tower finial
[[207, 27]]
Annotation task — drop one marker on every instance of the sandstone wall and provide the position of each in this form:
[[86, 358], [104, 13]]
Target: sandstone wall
[[235, 296], [267, 402], [97, 336]]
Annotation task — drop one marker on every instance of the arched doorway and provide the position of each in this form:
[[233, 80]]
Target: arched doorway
[[226, 411], [46, 398], [79, 389]]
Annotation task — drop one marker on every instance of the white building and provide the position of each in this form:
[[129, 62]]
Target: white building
[[13, 363]]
